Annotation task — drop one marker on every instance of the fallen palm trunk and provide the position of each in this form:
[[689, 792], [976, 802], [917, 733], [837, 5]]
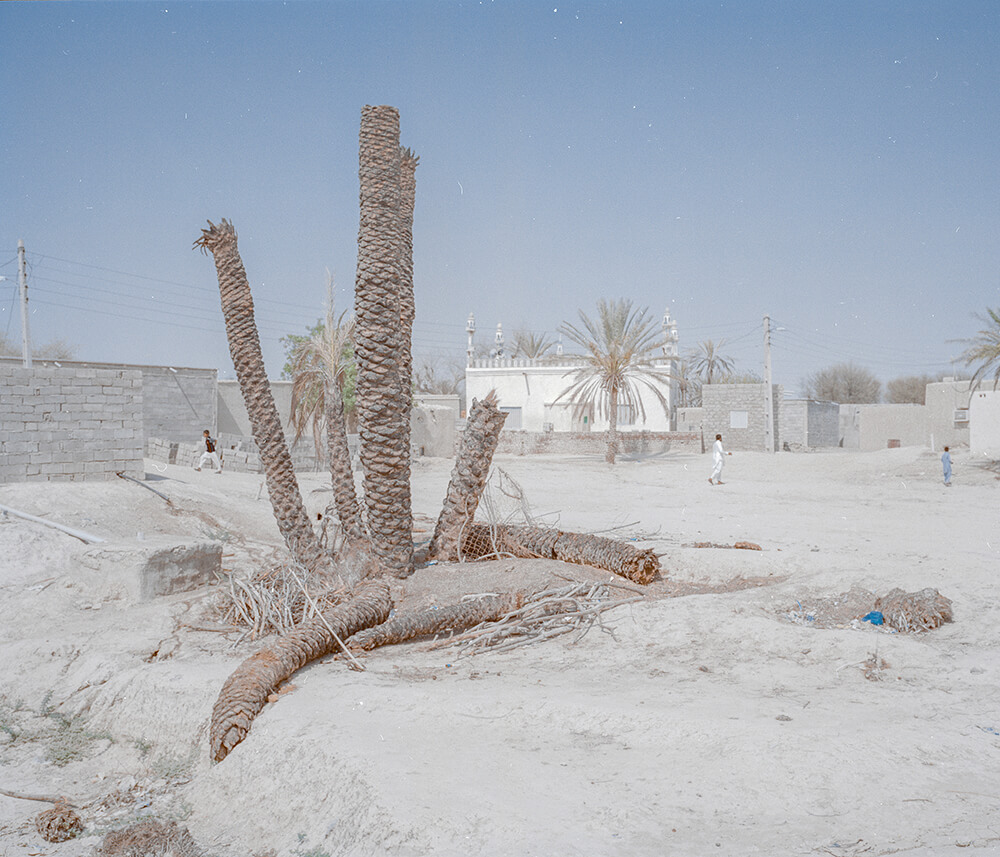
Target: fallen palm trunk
[[425, 623], [482, 540], [914, 611], [468, 478], [246, 690], [244, 347]]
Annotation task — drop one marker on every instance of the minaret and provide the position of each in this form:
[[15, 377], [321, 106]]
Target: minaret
[[470, 328], [498, 342]]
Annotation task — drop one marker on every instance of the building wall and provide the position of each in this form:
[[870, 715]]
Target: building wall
[[439, 400], [595, 443], [984, 420], [533, 394], [941, 401], [233, 417], [722, 404], [871, 427], [67, 424], [178, 403], [823, 425]]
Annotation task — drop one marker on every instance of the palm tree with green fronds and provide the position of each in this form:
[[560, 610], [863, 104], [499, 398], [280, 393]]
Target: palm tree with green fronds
[[708, 363], [983, 349], [532, 345], [321, 366], [620, 346]]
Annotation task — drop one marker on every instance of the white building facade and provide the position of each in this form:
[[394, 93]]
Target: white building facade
[[533, 392]]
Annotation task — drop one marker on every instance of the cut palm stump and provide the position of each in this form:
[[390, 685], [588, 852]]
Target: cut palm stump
[[437, 620], [246, 690], [468, 477], [635, 564]]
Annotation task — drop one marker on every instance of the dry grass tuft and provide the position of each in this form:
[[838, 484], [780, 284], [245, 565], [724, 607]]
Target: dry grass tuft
[[58, 824], [912, 612], [149, 838]]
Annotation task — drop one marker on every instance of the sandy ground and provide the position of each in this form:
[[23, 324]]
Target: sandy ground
[[744, 718]]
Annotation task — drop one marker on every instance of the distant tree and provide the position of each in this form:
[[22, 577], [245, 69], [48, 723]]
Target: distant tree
[[747, 376], [531, 345], [983, 350], [844, 383], [438, 377], [57, 349], [687, 385], [619, 348], [909, 389], [708, 363], [314, 363]]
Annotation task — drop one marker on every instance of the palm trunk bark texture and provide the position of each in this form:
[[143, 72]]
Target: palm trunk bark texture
[[345, 498], [468, 478], [244, 346], [385, 453], [246, 690]]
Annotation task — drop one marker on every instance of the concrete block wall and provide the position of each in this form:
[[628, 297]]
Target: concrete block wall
[[807, 424], [178, 404], [594, 443], [720, 401], [67, 424]]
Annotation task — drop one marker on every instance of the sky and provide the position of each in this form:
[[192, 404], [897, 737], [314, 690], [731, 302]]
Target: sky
[[832, 165]]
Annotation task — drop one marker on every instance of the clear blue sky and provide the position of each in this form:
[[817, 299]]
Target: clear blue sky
[[833, 164]]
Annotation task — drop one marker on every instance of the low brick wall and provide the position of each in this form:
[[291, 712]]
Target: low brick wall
[[587, 443], [245, 459], [68, 424]]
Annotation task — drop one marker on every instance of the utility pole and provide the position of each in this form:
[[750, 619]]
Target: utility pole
[[768, 389], [22, 281]]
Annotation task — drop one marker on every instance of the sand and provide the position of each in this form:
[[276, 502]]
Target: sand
[[739, 708]]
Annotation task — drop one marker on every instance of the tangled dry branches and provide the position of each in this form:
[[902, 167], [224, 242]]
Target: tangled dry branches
[[544, 615]]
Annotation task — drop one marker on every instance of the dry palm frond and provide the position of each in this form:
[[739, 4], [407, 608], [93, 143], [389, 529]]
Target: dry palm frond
[[914, 611], [544, 615], [273, 600]]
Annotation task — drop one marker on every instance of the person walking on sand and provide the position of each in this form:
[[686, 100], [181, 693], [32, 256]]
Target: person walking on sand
[[946, 465], [718, 457], [209, 455]]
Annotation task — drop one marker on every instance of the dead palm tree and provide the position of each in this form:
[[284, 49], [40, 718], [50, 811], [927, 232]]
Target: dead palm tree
[[244, 346], [619, 350], [382, 398], [707, 362], [983, 349], [319, 366]]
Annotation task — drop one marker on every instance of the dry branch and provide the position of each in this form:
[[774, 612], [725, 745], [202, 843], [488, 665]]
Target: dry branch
[[424, 623], [58, 824], [543, 615], [246, 690]]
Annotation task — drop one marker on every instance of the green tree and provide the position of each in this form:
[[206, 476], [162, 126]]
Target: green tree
[[983, 350], [531, 345], [844, 383], [708, 363], [619, 346]]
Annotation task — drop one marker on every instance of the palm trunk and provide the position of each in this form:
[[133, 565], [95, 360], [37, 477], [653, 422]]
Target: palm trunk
[[385, 453], [244, 346], [345, 498], [609, 456], [468, 478], [246, 690]]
